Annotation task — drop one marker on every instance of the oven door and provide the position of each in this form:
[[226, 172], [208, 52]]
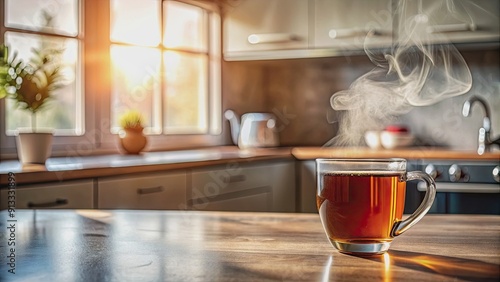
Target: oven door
[[465, 198], [463, 187]]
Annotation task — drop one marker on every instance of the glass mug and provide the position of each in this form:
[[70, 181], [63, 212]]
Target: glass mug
[[361, 202]]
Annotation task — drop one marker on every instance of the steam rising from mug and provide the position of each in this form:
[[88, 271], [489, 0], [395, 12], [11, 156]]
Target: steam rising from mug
[[409, 74]]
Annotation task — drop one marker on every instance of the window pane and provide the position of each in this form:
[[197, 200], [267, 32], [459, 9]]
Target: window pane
[[64, 111], [29, 14], [185, 92], [136, 84], [173, 96], [135, 22], [185, 26]]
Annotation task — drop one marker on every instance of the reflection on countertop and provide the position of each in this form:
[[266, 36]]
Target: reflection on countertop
[[123, 245]]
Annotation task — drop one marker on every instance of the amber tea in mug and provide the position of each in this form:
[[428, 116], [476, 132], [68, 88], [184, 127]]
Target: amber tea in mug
[[361, 202]]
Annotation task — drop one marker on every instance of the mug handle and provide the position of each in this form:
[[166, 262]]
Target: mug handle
[[430, 193]]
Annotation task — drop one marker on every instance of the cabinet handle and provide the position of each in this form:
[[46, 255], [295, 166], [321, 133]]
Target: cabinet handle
[[345, 33], [353, 32], [234, 178], [462, 187], [444, 28], [150, 190], [260, 38], [56, 203]]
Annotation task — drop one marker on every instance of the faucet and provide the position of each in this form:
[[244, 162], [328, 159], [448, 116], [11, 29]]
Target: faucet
[[484, 140]]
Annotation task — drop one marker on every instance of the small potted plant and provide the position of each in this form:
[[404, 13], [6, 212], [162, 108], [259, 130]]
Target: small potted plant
[[132, 139], [31, 86]]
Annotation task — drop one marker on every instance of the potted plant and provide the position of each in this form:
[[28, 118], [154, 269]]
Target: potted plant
[[132, 139], [31, 86]]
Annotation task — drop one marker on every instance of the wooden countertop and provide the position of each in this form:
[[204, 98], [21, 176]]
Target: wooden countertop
[[98, 245], [418, 153]]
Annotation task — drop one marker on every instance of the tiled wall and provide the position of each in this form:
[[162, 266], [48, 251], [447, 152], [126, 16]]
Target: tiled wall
[[299, 91]]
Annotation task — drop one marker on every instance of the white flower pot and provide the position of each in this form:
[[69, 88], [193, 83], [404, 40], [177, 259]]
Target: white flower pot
[[34, 147]]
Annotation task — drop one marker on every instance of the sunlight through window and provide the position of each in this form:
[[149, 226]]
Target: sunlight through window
[[170, 83], [135, 22], [159, 57]]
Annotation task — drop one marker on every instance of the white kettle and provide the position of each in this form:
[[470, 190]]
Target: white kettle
[[257, 130]]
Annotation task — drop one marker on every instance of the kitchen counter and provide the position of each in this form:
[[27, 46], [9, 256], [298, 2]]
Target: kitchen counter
[[69, 168], [415, 153], [96, 245]]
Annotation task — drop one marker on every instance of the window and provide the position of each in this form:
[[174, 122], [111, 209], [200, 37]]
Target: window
[[165, 71], [33, 25], [165, 63]]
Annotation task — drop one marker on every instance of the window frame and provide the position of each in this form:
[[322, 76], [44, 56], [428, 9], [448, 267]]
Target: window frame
[[95, 42]]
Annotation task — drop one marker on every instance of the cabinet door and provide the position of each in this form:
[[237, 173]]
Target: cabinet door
[[67, 195], [152, 191], [266, 187], [212, 182], [350, 25], [255, 200], [308, 188], [284, 192], [458, 21], [256, 25]]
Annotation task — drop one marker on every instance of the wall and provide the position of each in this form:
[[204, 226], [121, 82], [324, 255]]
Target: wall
[[443, 123], [299, 91]]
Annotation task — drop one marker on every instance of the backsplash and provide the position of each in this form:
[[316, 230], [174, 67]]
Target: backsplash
[[298, 92]]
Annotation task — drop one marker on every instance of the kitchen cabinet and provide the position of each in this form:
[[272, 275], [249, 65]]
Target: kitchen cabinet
[[284, 29], [307, 182], [255, 26], [156, 191], [259, 201], [459, 21], [67, 195], [244, 187], [352, 25]]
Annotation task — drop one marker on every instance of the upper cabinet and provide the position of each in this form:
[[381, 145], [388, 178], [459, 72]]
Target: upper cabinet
[[280, 29], [457, 21], [352, 25], [264, 25]]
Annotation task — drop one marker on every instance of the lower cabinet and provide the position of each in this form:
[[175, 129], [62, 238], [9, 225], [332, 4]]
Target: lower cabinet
[[258, 202], [307, 191], [235, 186], [244, 187], [67, 195], [153, 191]]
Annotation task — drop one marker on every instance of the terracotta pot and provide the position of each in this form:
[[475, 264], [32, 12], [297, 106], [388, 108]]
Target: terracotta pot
[[132, 140], [34, 147]]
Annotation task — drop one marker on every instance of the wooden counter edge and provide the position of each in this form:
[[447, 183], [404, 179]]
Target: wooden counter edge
[[414, 153]]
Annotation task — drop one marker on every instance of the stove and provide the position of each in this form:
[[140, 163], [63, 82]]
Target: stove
[[463, 187]]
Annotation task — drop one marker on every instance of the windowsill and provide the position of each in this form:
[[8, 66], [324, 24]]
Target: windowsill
[[110, 146]]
